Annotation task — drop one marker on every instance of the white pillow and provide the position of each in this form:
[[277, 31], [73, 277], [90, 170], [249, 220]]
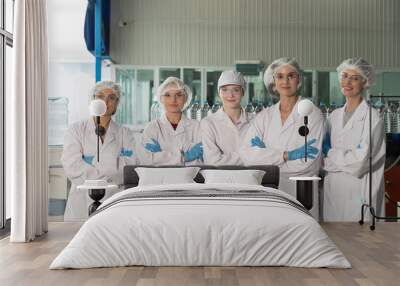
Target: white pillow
[[165, 176], [249, 177]]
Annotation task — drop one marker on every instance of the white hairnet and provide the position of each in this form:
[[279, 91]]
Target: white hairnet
[[361, 66], [231, 77], [180, 85], [101, 85], [274, 67]]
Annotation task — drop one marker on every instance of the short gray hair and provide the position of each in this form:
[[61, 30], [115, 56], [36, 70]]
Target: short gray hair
[[274, 66], [101, 85], [180, 85]]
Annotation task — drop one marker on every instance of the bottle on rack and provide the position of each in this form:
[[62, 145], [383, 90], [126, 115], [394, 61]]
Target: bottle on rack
[[204, 110], [331, 108], [394, 124], [396, 128], [380, 107], [216, 107], [188, 111], [249, 108], [195, 108], [387, 118], [155, 110], [210, 111], [198, 111], [323, 109], [259, 107]]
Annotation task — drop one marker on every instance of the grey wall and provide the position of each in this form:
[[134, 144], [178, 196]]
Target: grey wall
[[319, 33]]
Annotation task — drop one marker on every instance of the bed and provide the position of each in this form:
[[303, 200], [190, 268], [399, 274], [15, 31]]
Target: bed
[[201, 224]]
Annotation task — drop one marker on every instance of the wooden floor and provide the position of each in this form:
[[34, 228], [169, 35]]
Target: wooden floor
[[374, 255]]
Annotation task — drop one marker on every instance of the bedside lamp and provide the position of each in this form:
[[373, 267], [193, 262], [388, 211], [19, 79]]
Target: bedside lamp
[[97, 188], [98, 108], [305, 108], [304, 185]]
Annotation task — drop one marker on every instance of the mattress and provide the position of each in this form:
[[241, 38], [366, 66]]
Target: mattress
[[201, 225]]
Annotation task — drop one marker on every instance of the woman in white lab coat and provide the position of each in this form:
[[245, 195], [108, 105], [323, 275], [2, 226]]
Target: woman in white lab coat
[[346, 185], [273, 137], [79, 157], [223, 130], [173, 139]]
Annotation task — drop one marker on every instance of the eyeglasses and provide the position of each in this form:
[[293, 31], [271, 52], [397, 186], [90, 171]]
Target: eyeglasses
[[352, 78], [110, 97], [290, 77]]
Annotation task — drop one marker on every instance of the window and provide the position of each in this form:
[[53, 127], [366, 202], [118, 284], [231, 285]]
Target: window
[[139, 86], [145, 94], [192, 77], [9, 15], [126, 79], [212, 86], [256, 92], [6, 44], [167, 72], [138, 94]]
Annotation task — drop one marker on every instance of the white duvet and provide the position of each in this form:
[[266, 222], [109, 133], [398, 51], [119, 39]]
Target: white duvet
[[200, 231]]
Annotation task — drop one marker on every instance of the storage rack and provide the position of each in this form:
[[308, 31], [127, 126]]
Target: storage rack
[[369, 205]]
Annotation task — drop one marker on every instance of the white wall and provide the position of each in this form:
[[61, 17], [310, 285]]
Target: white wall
[[73, 81], [65, 31], [319, 33], [71, 67]]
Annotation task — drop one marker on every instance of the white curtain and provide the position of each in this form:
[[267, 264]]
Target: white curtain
[[27, 151]]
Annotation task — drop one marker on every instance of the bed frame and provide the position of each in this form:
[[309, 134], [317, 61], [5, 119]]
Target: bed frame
[[270, 179]]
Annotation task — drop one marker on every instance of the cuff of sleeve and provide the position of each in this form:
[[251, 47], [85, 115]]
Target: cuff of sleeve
[[91, 171], [280, 160], [179, 158]]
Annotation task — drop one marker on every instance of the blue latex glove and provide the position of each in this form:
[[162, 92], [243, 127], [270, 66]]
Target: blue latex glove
[[194, 153], [125, 152], [257, 142], [153, 148], [88, 159], [326, 144], [299, 153]]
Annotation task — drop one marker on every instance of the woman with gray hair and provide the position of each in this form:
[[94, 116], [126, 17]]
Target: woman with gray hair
[[172, 139], [273, 137], [79, 157], [347, 148]]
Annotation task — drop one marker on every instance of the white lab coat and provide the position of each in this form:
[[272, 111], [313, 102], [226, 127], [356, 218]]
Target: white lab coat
[[222, 138], [173, 142], [346, 185], [80, 139], [267, 125]]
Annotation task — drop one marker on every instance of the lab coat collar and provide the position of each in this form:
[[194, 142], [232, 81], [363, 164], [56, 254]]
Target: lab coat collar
[[359, 114], [111, 133], [244, 117], [181, 125], [292, 118], [221, 115]]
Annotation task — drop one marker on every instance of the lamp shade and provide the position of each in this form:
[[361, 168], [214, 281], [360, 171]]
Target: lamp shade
[[305, 107], [97, 107]]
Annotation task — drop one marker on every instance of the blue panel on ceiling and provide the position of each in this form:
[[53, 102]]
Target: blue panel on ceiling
[[89, 28]]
